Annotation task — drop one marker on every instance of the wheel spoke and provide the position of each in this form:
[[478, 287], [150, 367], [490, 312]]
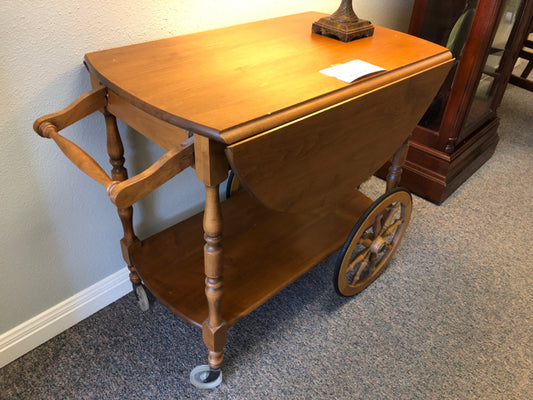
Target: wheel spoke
[[373, 261], [392, 228], [358, 259], [377, 224], [367, 238], [393, 210], [366, 241], [361, 268]]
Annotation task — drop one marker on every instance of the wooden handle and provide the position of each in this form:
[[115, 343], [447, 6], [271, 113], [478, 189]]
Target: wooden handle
[[127, 192], [49, 125], [75, 154], [83, 106]]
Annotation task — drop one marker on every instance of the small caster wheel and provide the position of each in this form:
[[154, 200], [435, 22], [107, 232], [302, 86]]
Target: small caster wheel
[[372, 242], [204, 377], [144, 297], [233, 185]]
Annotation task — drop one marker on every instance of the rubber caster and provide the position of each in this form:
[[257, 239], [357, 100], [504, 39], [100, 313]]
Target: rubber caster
[[143, 295], [204, 377], [372, 242]]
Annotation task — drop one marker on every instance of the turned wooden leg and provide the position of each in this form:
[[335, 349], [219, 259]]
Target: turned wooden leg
[[212, 169], [214, 328], [395, 170], [115, 149]]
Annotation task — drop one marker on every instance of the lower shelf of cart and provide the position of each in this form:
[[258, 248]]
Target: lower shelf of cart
[[264, 251]]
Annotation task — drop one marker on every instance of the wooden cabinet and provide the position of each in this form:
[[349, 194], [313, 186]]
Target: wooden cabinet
[[458, 133]]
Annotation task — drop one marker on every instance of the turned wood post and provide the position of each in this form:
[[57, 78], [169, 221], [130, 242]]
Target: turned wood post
[[212, 169], [214, 328], [115, 150], [395, 170]]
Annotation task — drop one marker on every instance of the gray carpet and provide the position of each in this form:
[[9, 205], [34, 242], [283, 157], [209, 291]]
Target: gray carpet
[[449, 319]]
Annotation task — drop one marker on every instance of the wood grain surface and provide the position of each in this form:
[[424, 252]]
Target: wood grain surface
[[314, 162], [264, 251], [232, 83]]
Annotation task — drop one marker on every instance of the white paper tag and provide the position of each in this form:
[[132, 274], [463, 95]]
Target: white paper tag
[[352, 70]]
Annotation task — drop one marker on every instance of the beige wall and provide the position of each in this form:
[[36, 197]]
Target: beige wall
[[58, 231]]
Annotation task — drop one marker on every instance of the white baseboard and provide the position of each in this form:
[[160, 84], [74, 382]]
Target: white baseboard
[[37, 330]]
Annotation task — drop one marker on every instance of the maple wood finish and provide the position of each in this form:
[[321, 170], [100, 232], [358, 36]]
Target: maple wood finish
[[301, 149], [459, 134], [115, 150], [299, 141], [219, 85]]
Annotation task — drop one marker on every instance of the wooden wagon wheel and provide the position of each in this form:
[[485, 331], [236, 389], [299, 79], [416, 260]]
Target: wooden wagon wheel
[[372, 242]]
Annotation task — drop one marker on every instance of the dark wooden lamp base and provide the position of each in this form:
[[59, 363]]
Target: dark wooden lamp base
[[343, 24]]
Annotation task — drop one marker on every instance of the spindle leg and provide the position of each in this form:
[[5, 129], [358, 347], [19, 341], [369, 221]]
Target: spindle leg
[[115, 150], [212, 169], [395, 170], [214, 328]]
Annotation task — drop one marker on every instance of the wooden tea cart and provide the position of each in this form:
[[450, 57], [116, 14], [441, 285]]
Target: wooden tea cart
[[251, 98]]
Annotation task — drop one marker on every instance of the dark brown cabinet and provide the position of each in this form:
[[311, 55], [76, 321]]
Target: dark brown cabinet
[[458, 133]]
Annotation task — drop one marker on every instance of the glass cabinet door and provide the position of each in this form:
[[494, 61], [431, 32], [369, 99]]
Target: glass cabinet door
[[491, 78], [446, 23]]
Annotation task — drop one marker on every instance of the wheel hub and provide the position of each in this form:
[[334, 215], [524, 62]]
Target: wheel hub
[[378, 245]]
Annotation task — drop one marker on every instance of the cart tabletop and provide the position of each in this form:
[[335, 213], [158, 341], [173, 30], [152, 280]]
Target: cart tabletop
[[232, 83]]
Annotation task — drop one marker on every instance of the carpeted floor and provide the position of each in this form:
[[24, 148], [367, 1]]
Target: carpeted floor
[[449, 319]]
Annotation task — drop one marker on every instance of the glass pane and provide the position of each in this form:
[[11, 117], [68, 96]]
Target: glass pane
[[448, 24], [490, 77]]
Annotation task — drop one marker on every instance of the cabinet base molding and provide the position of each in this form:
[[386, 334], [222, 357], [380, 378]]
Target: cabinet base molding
[[435, 175]]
